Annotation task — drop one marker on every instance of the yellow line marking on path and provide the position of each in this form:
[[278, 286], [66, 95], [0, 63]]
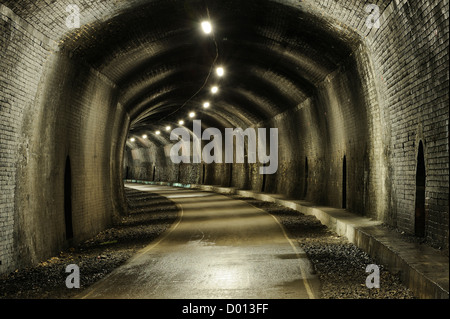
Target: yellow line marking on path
[[305, 280], [151, 246]]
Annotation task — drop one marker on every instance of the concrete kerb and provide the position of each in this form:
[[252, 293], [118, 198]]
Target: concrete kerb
[[421, 268]]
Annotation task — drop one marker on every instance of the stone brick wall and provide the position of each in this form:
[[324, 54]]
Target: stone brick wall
[[53, 107], [375, 108], [23, 53]]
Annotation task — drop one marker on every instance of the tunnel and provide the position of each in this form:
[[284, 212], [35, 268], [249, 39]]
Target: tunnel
[[91, 93]]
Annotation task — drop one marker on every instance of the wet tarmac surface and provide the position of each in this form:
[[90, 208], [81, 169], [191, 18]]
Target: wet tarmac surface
[[219, 247]]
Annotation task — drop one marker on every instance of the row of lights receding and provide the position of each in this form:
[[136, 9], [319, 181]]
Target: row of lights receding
[[207, 28]]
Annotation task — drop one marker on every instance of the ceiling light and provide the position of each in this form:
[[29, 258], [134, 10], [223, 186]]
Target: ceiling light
[[214, 89], [206, 105], [191, 115], [132, 139], [220, 71], [158, 132], [144, 136], [181, 122], [207, 27], [168, 128]]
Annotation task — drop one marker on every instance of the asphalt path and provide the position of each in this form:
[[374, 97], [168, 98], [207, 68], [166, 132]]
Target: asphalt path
[[219, 248]]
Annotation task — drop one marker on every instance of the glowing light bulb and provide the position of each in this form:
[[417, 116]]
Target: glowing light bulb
[[144, 136], [220, 71], [158, 132], [206, 105], [132, 139], [191, 115], [168, 128], [181, 122], [214, 89], [207, 27]]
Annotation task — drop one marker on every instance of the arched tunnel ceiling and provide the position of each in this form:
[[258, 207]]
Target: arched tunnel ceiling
[[274, 55]]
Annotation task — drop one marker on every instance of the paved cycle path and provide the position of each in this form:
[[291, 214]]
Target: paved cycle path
[[218, 248]]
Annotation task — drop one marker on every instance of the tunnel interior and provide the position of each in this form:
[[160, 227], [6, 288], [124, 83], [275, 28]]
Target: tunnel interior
[[275, 69], [350, 103]]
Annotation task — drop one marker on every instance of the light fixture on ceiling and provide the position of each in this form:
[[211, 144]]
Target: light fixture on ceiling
[[207, 27], [168, 128], [220, 71], [192, 114], [158, 132], [214, 89], [206, 105], [132, 139], [181, 122], [144, 136]]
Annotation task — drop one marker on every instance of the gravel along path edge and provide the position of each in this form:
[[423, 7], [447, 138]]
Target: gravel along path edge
[[339, 264], [149, 215]]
